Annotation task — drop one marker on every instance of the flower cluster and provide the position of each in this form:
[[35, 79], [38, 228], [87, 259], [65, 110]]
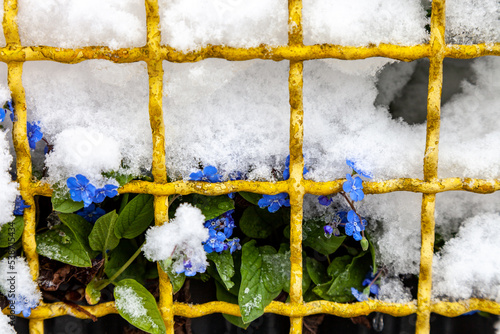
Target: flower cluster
[[274, 202], [352, 222], [34, 134], [8, 106], [220, 229], [371, 287], [208, 174], [91, 213], [81, 189], [23, 304]]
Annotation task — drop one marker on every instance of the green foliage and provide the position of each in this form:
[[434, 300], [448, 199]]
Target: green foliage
[[176, 279], [65, 205], [135, 218], [119, 256], [225, 266], [102, 237], [138, 306], [62, 245], [262, 279], [260, 223], [225, 296], [210, 206], [251, 197], [81, 229], [92, 293], [11, 232], [314, 237]]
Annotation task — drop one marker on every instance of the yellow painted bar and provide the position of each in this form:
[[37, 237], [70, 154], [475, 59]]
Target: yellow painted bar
[[36, 327]]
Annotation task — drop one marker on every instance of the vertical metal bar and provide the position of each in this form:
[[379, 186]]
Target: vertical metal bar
[[437, 45], [296, 189], [155, 73]]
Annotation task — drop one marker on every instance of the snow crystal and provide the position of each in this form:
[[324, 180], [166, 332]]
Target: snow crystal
[[5, 327], [392, 290], [472, 21], [9, 188], [190, 24], [239, 111], [182, 236], [77, 23], [130, 303], [95, 113], [23, 281], [360, 23], [468, 265]]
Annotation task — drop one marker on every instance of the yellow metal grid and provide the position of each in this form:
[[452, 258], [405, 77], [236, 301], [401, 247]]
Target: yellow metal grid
[[153, 53]]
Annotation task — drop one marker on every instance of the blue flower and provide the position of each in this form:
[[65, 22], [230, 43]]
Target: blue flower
[[325, 200], [23, 304], [108, 190], [20, 206], [361, 297], [2, 114], [91, 213], [354, 226], [209, 174], [223, 223], [80, 189], [34, 134], [188, 269], [215, 242], [328, 229], [10, 106], [274, 202], [286, 172], [354, 166], [234, 245], [354, 188]]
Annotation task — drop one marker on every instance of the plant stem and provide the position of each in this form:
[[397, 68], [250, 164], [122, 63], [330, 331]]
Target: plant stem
[[125, 266], [171, 200], [351, 204]]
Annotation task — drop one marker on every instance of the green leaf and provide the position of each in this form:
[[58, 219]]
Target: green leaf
[[211, 206], [81, 229], [135, 218], [316, 271], [176, 279], [11, 232], [138, 306], [352, 276], [225, 296], [122, 179], [225, 266], [119, 256], [92, 294], [260, 223], [65, 204], [313, 236], [257, 287], [373, 254], [62, 245], [251, 197], [102, 237], [338, 265]]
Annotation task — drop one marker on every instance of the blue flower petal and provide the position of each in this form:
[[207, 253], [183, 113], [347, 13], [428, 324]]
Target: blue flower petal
[[274, 207], [82, 180]]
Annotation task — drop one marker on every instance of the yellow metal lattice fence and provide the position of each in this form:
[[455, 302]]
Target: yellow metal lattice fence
[[153, 53]]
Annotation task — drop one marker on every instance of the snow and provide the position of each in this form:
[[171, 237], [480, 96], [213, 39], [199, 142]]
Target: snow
[[364, 22], [392, 290], [78, 23], [191, 24], [131, 304], [23, 281], [180, 239], [472, 22], [5, 327], [9, 188], [468, 265], [94, 113]]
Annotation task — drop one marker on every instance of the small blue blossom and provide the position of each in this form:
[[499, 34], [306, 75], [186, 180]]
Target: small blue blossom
[[188, 269], [354, 166], [80, 189], [361, 297], [20, 206], [108, 190], [354, 226], [234, 245], [23, 304], [354, 187], [325, 200], [34, 134], [223, 223], [286, 172], [274, 202], [215, 242], [91, 213], [208, 174], [328, 229], [2, 114]]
